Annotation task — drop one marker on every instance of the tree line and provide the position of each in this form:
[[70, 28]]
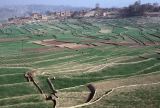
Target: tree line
[[138, 9]]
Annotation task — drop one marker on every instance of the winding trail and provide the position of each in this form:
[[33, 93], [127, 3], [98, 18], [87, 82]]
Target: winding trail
[[108, 93]]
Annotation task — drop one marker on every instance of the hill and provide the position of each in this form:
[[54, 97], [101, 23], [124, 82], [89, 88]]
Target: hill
[[12, 11]]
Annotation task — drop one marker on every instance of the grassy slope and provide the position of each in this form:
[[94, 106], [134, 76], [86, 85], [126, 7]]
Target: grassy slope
[[74, 31], [137, 97]]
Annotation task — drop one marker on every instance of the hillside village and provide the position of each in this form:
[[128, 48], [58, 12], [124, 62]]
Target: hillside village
[[74, 57], [37, 17], [146, 10]]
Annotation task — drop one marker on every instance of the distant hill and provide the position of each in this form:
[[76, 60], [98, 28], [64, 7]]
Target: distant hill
[[12, 11], [6, 13]]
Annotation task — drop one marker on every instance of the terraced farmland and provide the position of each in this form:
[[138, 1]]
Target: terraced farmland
[[103, 63]]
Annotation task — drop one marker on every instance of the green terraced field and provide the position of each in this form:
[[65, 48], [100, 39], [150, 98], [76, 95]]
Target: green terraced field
[[122, 63]]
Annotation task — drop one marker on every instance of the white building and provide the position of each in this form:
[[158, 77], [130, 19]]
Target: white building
[[90, 13]]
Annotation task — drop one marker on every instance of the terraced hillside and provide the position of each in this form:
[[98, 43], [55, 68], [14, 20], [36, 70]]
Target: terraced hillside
[[103, 63]]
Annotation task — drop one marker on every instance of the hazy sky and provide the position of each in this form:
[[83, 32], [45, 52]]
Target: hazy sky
[[77, 3]]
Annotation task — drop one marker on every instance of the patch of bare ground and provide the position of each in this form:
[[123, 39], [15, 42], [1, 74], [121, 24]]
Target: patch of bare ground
[[152, 44], [105, 30], [39, 43], [53, 42], [48, 42], [74, 46], [61, 44]]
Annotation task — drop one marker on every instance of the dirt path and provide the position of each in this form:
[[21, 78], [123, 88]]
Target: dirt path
[[108, 93]]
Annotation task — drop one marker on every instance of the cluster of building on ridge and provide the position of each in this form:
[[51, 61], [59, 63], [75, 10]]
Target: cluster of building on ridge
[[38, 17], [97, 12]]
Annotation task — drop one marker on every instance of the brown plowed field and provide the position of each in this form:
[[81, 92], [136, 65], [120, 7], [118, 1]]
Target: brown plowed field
[[73, 46], [62, 44]]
